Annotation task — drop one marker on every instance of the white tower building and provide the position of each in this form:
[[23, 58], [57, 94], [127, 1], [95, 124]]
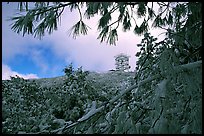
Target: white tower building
[[122, 62]]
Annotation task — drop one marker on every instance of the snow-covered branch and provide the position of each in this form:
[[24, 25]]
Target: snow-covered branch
[[91, 113], [133, 87], [189, 66], [94, 111]]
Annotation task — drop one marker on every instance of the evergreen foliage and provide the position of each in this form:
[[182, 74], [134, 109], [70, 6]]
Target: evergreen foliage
[[164, 97], [45, 16]]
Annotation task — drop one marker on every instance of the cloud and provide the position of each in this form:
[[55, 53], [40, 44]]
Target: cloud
[[7, 72], [85, 51], [39, 60], [12, 43]]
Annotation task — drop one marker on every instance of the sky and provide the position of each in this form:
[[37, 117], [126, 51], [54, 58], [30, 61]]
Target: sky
[[29, 57]]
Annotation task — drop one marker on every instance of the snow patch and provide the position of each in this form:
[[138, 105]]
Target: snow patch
[[91, 112], [161, 90]]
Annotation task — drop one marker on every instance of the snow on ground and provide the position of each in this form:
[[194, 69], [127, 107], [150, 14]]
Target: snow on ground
[[98, 80]]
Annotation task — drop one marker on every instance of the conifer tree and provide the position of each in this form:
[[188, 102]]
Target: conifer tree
[[167, 94]]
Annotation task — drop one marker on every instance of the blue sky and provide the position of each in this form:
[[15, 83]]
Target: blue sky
[[32, 58]]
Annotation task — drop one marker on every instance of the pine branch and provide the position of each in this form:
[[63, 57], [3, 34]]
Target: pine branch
[[85, 117], [132, 3], [79, 12], [178, 34], [188, 66], [157, 118], [52, 8], [115, 21]]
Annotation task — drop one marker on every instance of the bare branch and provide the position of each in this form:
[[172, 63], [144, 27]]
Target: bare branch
[[79, 12]]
